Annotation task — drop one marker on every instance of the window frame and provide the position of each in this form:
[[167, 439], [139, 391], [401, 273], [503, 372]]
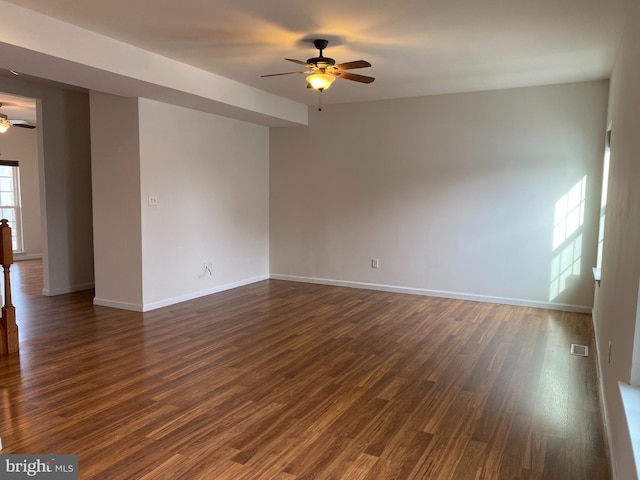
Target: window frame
[[16, 223]]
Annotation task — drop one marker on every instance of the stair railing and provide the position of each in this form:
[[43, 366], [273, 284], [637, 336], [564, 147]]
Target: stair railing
[[8, 327]]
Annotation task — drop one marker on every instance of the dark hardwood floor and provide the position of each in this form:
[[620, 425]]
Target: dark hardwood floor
[[281, 380]]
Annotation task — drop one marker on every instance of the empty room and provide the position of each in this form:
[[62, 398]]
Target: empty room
[[350, 240]]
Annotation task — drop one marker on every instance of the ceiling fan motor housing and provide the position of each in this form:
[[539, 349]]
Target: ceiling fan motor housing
[[320, 43]]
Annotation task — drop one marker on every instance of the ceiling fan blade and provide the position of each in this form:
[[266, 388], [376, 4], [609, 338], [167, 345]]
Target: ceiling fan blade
[[285, 73], [299, 62], [354, 64], [354, 77], [22, 124]]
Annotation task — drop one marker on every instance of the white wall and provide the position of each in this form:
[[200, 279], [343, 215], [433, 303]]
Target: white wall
[[115, 165], [211, 176], [21, 144], [65, 183], [616, 300], [455, 194]]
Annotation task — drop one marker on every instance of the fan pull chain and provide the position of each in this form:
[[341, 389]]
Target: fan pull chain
[[319, 100]]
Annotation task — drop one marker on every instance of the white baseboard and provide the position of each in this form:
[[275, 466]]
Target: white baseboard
[[182, 298], [436, 293], [603, 405], [70, 289]]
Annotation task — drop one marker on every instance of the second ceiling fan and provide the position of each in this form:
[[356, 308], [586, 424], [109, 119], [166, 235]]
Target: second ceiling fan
[[322, 71]]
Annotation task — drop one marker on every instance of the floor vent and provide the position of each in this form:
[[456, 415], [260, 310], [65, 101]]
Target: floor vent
[[580, 350]]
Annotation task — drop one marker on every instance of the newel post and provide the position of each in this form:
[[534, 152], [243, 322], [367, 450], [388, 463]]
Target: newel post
[[8, 327]]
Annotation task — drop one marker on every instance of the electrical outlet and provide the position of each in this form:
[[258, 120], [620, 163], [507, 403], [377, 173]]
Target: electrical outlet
[[153, 200], [375, 263]]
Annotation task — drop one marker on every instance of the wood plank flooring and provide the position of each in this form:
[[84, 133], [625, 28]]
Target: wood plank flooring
[[288, 381]]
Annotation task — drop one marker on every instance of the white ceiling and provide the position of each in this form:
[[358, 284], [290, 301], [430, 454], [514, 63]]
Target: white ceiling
[[18, 108], [416, 47]]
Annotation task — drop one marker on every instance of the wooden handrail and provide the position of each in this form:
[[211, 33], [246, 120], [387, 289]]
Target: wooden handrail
[[8, 327]]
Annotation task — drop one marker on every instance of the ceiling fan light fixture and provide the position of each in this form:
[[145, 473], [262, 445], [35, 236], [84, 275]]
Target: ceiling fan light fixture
[[320, 81], [4, 123]]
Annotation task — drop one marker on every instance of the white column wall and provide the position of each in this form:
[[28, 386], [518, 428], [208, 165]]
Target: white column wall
[[115, 162]]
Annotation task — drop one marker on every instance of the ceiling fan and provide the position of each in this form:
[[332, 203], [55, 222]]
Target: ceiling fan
[[5, 123], [322, 71]]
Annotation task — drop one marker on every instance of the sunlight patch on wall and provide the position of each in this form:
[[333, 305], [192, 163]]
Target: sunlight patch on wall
[[567, 241], [564, 266], [569, 213]]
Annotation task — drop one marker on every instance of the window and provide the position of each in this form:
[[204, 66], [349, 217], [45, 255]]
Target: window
[[603, 201], [10, 200]]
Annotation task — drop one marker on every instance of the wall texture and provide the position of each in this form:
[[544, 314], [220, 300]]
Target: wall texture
[[616, 301], [490, 195], [22, 144]]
